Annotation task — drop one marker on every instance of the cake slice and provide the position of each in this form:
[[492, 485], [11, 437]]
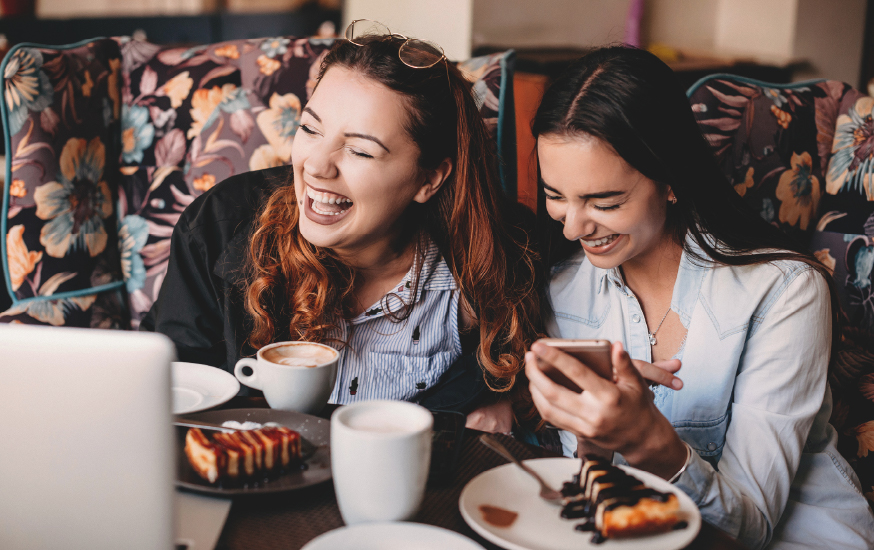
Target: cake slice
[[616, 504], [242, 455]]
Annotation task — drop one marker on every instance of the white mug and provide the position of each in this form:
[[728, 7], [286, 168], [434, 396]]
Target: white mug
[[380, 455], [303, 389]]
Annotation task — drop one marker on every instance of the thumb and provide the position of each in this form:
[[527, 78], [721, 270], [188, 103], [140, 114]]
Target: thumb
[[623, 369]]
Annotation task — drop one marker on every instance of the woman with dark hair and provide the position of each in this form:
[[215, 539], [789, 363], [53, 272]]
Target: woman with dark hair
[[675, 266], [388, 238]]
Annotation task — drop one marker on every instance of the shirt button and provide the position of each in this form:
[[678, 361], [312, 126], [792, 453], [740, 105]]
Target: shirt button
[[635, 318], [711, 446]]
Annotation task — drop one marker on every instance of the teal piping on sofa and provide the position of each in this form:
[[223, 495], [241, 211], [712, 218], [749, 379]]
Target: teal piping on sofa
[[792, 85], [4, 209]]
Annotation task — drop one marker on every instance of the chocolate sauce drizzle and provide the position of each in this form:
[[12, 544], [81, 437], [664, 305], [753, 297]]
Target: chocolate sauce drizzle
[[601, 487]]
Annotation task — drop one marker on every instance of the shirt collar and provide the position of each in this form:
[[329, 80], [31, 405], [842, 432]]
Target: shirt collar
[[435, 276], [686, 287]]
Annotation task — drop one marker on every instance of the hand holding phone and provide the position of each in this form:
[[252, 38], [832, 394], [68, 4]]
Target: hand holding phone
[[595, 354]]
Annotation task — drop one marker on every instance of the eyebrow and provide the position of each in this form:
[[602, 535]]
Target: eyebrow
[[368, 137], [349, 134], [602, 195]]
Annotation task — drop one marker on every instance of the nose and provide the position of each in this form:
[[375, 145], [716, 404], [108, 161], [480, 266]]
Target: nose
[[319, 163], [577, 224]]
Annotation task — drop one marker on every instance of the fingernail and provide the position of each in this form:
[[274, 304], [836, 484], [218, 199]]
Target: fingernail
[[677, 384]]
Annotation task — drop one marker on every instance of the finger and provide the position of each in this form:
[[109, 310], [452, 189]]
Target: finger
[[623, 369], [556, 401], [557, 417], [671, 365], [657, 375], [579, 373]]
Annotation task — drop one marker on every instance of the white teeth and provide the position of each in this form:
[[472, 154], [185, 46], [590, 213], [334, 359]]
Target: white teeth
[[324, 212], [600, 242], [326, 198]]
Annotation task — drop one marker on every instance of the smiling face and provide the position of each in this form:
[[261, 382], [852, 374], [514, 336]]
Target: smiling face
[[616, 213], [355, 165]]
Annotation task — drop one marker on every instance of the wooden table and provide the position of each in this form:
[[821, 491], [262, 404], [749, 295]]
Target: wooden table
[[287, 521]]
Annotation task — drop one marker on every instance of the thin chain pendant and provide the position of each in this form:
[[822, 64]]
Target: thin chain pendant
[[652, 339]]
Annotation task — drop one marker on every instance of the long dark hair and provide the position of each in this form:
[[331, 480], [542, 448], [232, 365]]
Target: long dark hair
[[297, 288], [630, 100]]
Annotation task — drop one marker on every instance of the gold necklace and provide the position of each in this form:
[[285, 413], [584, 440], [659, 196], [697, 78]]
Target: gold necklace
[[652, 338]]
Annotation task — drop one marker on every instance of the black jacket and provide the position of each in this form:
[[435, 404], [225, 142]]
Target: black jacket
[[200, 304]]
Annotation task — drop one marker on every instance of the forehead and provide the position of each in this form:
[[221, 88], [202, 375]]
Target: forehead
[[581, 165], [351, 102]]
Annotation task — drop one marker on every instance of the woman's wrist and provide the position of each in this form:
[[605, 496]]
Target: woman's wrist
[[663, 453]]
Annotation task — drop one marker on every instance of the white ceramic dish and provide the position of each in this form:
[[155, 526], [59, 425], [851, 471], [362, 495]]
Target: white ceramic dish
[[539, 525], [199, 387], [391, 536]]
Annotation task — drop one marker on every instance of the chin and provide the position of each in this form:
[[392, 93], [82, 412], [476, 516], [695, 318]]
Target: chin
[[318, 235], [604, 263]]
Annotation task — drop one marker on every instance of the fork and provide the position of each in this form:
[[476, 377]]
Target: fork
[[547, 493]]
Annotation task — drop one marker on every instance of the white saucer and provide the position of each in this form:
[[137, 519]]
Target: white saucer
[[539, 525], [199, 387], [392, 536]]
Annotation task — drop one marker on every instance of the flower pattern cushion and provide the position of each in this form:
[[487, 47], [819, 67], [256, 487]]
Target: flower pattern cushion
[[774, 143], [61, 109], [192, 117]]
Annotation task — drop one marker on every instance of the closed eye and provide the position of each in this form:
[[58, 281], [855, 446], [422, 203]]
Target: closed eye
[[307, 130], [360, 154], [604, 208]]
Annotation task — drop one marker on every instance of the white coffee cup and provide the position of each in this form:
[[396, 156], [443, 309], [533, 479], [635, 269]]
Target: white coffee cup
[[380, 455], [303, 387]]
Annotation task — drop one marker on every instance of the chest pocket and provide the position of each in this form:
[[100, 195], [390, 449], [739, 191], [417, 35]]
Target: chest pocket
[[404, 376], [706, 438]]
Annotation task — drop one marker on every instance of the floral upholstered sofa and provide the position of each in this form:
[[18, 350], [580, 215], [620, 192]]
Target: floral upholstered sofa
[[803, 156], [108, 141]]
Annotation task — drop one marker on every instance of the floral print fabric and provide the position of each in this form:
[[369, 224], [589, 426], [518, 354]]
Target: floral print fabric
[[113, 139], [803, 157], [62, 110]]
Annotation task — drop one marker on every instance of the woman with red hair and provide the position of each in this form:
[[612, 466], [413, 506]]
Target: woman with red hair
[[388, 238]]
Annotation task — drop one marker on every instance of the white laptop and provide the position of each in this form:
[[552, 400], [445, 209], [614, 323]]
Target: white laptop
[[86, 440]]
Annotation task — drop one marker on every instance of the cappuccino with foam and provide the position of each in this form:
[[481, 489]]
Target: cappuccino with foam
[[300, 354], [294, 376]]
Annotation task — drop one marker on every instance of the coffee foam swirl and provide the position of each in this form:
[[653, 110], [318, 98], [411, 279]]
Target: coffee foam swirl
[[299, 355]]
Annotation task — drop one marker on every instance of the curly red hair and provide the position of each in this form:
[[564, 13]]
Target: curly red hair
[[302, 291]]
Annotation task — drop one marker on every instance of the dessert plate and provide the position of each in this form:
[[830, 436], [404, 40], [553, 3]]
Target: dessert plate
[[539, 525], [199, 387], [315, 436], [391, 536]]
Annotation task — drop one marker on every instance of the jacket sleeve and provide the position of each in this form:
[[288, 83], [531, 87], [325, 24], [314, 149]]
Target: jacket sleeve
[[779, 389], [188, 309]]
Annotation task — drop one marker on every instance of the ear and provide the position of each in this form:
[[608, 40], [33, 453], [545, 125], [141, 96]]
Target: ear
[[434, 179], [671, 197]]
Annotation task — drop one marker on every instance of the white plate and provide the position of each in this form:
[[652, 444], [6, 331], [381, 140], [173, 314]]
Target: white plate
[[392, 536], [199, 387], [539, 525]]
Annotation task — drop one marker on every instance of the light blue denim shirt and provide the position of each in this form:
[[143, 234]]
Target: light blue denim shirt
[[755, 403]]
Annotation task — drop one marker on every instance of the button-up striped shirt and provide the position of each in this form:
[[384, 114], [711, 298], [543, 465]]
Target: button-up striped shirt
[[390, 359]]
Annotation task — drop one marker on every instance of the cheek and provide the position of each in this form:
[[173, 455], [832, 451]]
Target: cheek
[[556, 210]]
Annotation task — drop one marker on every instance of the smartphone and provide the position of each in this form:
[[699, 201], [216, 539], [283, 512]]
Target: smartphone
[[595, 354]]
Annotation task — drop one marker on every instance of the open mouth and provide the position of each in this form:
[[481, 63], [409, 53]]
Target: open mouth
[[604, 241], [328, 204]]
